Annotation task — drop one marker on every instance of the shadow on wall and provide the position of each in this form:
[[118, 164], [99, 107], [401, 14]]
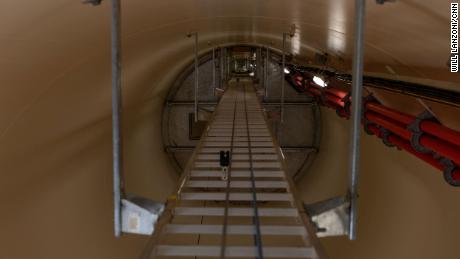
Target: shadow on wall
[[406, 210]]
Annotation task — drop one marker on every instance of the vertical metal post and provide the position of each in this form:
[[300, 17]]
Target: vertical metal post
[[116, 115], [228, 68], [214, 85], [357, 90], [282, 77], [266, 75], [196, 77], [221, 68], [259, 64]]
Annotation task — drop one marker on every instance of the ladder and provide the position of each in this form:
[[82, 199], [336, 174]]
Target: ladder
[[248, 210]]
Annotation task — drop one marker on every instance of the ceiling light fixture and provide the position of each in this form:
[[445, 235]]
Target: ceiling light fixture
[[319, 81]]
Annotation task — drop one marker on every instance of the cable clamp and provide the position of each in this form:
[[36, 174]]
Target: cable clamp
[[448, 172], [417, 132]]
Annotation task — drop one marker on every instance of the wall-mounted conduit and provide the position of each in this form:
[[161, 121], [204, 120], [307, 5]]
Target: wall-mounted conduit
[[422, 136]]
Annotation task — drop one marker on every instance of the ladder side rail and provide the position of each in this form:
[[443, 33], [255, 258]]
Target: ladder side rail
[[313, 239], [149, 251], [228, 187], [258, 236]]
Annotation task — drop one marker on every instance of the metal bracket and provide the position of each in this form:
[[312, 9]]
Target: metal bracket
[[345, 111], [448, 171], [417, 132], [366, 122], [341, 113], [139, 215], [366, 125], [347, 101], [330, 216], [385, 134]]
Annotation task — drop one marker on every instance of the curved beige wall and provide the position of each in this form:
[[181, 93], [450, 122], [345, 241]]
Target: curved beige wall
[[406, 210], [55, 150]]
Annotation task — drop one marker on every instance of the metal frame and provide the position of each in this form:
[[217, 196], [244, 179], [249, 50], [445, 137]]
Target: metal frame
[[282, 76], [214, 85], [283, 83], [227, 189], [117, 151], [197, 75], [357, 92], [266, 73], [255, 218], [221, 67]]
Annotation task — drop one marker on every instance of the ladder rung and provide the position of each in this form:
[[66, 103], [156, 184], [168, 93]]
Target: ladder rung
[[235, 212], [217, 144], [253, 144], [240, 150], [235, 229], [237, 157], [236, 251], [254, 139], [220, 196], [238, 127], [239, 165], [228, 144], [229, 122], [243, 173], [236, 184], [252, 132], [236, 165], [238, 134]]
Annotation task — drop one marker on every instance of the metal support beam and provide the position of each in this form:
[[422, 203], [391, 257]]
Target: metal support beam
[[214, 85], [118, 185], [266, 74], [196, 74], [259, 64], [282, 77], [221, 68], [227, 75], [357, 89]]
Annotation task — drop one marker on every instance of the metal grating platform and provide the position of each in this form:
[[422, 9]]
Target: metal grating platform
[[249, 212]]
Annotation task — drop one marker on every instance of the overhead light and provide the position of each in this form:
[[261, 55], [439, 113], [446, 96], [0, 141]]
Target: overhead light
[[251, 74], [319, 81], [286, 71]]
